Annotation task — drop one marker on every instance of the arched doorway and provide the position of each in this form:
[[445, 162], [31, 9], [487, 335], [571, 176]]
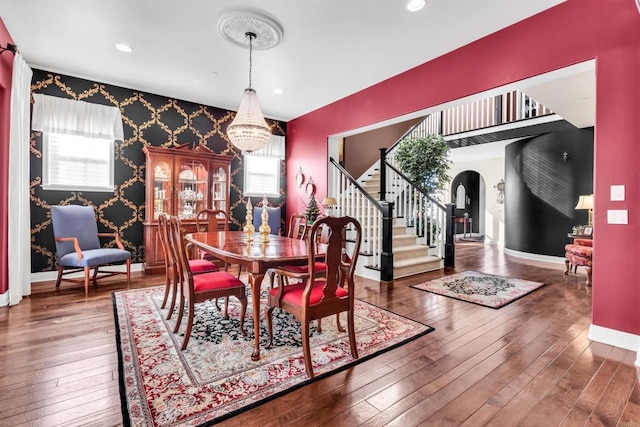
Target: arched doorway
[[468, 198]]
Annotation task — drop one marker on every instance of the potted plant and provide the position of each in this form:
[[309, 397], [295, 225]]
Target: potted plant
[[425, 161]]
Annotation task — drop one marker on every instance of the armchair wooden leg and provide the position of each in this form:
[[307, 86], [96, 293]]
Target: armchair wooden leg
[[167, 290], [180, 313], [87, 271], [567, 267], [187, 333], [243, 312], [95, 276], [351, 325], [267, 317], [306, 350], [60, 269], [174, 298], [128, 272], [588, 276]]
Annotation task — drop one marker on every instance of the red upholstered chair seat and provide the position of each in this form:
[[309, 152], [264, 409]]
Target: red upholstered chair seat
[[198, 266], [320, 267], [293, 293], [216, 280]]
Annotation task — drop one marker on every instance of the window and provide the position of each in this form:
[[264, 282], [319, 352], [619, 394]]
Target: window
[[262, 169], [261, 176], [72, 162], [78, 141]]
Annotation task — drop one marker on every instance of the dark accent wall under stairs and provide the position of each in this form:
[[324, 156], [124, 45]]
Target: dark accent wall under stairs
[[148, 119], [541, 190]]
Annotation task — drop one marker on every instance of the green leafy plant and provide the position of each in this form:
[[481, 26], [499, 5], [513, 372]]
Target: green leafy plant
[[313, 210], [425, 161]]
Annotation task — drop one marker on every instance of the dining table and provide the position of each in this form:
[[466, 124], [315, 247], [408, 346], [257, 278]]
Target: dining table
[[257, 257]]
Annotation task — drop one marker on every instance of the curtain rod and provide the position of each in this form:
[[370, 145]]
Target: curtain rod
[[10, 47]]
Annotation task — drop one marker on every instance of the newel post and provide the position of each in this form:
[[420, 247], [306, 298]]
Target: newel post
[[383, 174], [386, 256], [449, 245]]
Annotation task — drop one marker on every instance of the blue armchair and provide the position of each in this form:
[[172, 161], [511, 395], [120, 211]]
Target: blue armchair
[[275, 219], [78, 245]]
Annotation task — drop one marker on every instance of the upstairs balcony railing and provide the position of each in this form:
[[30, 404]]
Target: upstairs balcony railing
[[497, 110]]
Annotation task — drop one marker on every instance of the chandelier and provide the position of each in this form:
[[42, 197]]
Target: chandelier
[[249, 131]]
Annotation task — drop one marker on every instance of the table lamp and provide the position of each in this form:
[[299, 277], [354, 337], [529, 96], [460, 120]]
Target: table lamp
[[586, 202], [329, 203]]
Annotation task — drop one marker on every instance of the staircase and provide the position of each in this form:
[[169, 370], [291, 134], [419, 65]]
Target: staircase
[[411, 255]]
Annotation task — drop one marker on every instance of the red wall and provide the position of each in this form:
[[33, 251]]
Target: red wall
[[572, 32], [6, 68]]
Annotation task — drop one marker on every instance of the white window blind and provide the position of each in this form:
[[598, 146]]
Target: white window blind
[[262, 169], [74, 162], [262, 176], [78, 143]]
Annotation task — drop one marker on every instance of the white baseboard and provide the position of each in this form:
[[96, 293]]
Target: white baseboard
[[535, 257], [47, 276], [617, 339]]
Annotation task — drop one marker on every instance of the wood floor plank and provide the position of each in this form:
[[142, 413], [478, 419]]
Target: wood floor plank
[[614, 399], [528, 363]]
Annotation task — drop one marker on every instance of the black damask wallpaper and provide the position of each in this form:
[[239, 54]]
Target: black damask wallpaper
[[148, 119]]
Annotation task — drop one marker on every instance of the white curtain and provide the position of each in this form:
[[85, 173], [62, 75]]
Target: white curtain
[[274, 148], [66, 116], [19, 244]]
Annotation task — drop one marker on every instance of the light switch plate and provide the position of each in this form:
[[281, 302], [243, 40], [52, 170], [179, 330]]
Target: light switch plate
[[617, 193], [617, 216]]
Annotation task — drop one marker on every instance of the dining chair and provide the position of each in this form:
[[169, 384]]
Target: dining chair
[[202, 287], [297, 226], [197, 266], [213, 220], [78, 247], [322, 237], [317, 297]]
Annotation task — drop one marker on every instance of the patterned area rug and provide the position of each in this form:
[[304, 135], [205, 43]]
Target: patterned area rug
[[480, 288], [214, 378]]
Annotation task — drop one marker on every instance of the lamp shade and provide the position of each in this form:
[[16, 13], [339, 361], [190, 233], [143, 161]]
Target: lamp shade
[[249, 131], [585, 202], [329, 201]]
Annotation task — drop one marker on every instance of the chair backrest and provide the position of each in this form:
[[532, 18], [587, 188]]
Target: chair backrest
[[297, 226], [176, 236], [212, 220], [340, 265], [274, 218], [75, 221], [163, 235]]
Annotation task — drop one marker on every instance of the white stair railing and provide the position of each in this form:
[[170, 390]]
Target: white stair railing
[[358, 204]]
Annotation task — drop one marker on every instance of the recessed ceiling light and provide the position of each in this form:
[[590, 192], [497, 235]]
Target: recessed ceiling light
[[415, 5], [123, 47], [278, 91]]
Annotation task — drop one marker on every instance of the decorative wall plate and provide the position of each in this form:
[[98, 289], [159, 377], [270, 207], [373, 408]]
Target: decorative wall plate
[[310, 188], [300, 177]]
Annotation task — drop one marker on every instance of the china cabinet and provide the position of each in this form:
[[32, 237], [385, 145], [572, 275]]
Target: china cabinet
[[181, 182]]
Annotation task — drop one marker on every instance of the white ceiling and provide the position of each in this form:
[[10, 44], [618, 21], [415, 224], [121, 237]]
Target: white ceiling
[[331, 48]]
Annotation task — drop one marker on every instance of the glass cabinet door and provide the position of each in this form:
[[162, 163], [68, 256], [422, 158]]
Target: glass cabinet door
[[161, 189], [193, 189], [219, 189]]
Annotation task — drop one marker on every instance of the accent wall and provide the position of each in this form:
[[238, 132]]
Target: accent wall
[[575, 31], [542, 190], [148, 119]]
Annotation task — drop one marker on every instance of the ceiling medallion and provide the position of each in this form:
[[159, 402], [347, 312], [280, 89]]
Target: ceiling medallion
[[234, 26]]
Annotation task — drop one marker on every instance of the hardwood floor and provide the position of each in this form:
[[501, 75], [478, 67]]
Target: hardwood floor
[[529, 363]]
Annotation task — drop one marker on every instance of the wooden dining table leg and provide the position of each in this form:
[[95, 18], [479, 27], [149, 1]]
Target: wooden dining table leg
[[255, 280]]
